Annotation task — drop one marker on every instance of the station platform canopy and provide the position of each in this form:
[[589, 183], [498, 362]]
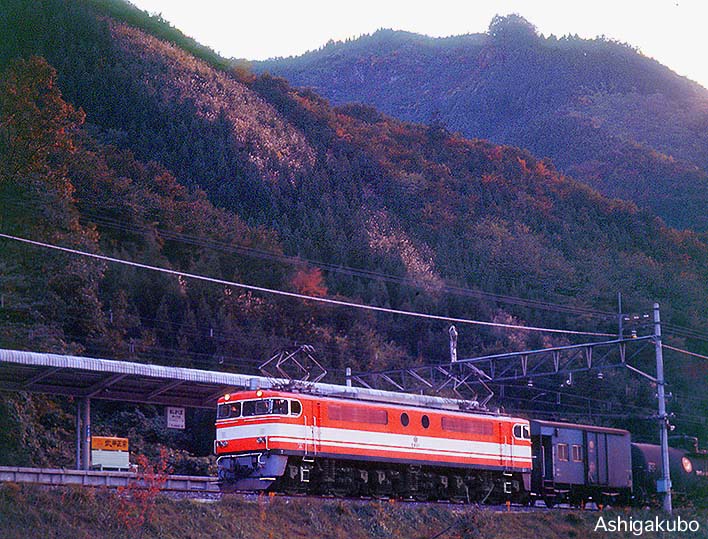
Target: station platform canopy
[[125, 381]]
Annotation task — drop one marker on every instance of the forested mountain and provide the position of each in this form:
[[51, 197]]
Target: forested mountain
[[119, 135], [605, 114]]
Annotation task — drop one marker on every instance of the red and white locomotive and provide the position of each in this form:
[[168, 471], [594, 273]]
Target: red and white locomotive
[[301, 442]]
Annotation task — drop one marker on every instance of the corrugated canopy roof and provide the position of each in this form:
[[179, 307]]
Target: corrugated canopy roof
[[158, 384], [114, 380]]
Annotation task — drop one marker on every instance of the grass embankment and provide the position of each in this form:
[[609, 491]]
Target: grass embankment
[[73, 513]]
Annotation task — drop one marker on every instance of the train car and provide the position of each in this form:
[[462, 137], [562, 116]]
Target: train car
[[688, 467], [578, 463], [300, 442]]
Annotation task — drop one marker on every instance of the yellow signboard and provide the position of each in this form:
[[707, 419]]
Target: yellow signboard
[[109, 443]]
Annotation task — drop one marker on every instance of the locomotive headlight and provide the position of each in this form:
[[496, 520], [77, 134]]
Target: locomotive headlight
[[227, 397], [259, 393], [687, 465]]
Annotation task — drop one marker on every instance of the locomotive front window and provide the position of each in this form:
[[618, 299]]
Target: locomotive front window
[[562, 452], [228, 410], [280, 406], [222, 411], [265, 407]]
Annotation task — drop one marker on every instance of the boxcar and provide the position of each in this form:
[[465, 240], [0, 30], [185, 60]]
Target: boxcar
[[578, 463]]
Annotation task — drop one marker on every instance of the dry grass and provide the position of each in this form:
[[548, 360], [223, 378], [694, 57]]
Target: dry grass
[[73, 513]]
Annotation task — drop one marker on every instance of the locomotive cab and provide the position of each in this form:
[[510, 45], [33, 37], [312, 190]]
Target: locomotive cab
[[251, 433]]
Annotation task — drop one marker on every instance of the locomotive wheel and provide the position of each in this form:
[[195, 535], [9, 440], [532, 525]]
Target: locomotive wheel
[[640, 497], [526, 500], [339, 492], [550, 501]]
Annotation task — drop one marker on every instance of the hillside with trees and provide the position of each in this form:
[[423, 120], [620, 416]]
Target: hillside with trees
[[603, 112], [116, 139]]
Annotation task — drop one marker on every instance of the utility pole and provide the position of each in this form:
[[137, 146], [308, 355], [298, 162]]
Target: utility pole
[[620, 315], [663, 485]]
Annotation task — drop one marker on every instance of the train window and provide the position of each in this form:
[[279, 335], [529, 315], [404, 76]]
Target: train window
[[280, 406], [357, 414], [521, 432], [251, 408], [295, 408], [577, 453], [425, 421], [468, 426], [405, 419], [228, 410], [265, 407], [562, 452], [222, 411]]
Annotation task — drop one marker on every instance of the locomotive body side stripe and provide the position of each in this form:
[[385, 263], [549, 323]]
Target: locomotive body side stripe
[[388, 455], [517, 457], [383, 454], [423, 459], [322, 437]]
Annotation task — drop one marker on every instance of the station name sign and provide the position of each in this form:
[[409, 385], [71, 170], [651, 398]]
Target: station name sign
[[175, 417]]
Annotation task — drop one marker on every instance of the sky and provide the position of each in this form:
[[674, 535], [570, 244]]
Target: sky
[[670, 31]]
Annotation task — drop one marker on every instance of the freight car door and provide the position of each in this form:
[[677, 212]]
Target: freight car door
[[591, 450], [596, 446], [602, 459]]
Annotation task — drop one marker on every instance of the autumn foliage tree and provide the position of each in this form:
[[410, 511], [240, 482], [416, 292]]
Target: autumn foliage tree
[[35, 122], [136, 501], [37, 141], [309, 281]]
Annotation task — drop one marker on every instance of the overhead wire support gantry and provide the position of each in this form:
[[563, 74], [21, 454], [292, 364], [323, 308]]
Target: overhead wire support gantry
[[466, 376]]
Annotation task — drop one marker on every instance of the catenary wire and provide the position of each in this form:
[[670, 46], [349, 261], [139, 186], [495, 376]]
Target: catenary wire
[[356, 272], [303, 296]]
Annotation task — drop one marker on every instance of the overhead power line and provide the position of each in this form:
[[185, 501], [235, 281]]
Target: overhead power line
[[682, 351], [263, 254], [303, 296], [686, 333]]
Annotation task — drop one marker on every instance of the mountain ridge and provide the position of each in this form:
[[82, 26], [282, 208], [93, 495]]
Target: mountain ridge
[[589, 105], [163, 171]]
